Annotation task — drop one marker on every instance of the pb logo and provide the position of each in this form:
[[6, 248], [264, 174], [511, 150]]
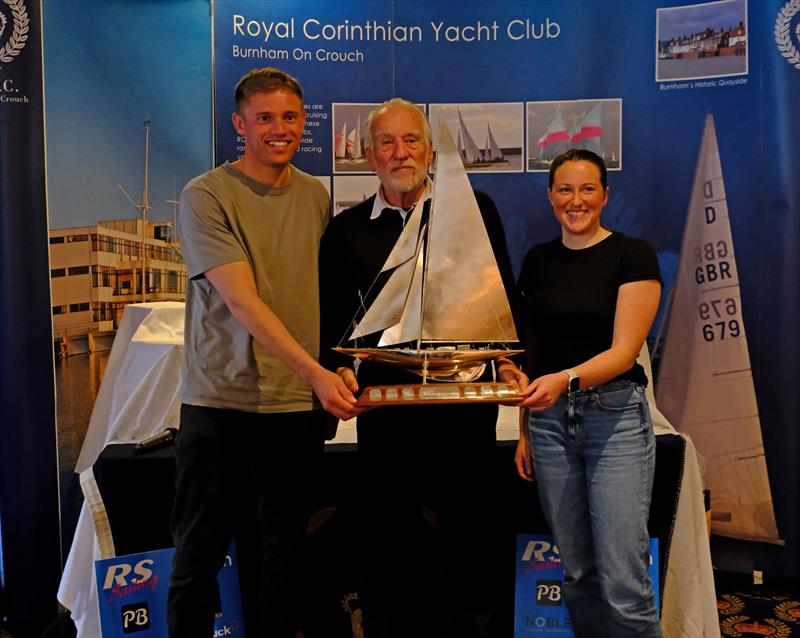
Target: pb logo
[[135, 617], [548, 593]]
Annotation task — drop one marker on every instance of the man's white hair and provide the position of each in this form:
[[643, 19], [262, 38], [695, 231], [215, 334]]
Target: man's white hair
[[396, 102]]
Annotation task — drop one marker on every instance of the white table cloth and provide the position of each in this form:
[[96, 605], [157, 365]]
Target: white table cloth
[[140, 396]]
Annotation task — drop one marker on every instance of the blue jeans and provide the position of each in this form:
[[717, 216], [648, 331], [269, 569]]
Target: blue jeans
[[594, 458]]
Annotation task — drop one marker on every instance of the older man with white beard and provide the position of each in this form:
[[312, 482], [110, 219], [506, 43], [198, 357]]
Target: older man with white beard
[[426, 482]]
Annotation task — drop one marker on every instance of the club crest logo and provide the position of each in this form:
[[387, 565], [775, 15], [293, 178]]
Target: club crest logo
[[13, 29], [784, 35]]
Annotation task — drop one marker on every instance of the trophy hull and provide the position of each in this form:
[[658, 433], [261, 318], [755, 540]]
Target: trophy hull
[[453, 373], [440, 393], [432, 359]]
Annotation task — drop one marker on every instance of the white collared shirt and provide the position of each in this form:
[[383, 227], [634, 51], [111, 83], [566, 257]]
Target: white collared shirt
[[380, 203]]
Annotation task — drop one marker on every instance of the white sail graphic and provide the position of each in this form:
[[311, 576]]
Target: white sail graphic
[[591, 130], [542, 141], [354, 142], [556, 138], [340, 143], [705, 385], [472, 153], [493, 152], [574, 131], [357, 154]]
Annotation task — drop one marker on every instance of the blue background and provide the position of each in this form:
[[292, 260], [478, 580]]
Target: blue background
[[605, 49], [109, 64]]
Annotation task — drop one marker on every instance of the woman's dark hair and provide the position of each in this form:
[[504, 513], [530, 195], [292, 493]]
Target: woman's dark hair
[[577, 155]]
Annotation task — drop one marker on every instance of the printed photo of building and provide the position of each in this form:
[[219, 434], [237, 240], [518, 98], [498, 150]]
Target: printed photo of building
[[701, 41], [95, 271]]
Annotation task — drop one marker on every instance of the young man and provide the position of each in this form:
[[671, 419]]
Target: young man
[[422, 465], [250, 419]]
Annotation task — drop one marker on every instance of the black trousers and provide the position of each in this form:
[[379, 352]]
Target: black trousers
[[426, 529], [233, 467]]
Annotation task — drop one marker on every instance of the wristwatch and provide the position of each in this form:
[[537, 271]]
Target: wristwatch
[[574, 382]]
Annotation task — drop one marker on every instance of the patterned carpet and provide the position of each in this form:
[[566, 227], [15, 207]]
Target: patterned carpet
[[748, 610], [745, 610]]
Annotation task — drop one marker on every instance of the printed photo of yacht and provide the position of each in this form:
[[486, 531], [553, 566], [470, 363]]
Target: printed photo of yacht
[[488, 135], [348, 137], [554, 127], [349, 190]]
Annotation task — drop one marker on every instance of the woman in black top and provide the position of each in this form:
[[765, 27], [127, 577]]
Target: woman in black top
[[585, 427]]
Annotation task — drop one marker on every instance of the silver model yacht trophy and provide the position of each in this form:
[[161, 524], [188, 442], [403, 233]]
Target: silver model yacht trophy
[[445, 295]]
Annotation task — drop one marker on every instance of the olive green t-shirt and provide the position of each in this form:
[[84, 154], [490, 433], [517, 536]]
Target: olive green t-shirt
[[226, 217]]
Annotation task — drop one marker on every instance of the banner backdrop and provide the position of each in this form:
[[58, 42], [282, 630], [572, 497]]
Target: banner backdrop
[[29, 551], [519, 82]]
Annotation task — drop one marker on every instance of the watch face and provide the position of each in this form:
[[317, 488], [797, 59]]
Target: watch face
[[574, 384]]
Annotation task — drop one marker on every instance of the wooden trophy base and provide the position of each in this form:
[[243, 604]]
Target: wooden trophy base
[[439, 393]]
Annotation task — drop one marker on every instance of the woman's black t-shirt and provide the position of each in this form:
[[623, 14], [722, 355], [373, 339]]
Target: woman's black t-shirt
[[571, 298]]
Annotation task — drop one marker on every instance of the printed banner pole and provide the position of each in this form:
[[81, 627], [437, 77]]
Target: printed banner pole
[[29, 523]]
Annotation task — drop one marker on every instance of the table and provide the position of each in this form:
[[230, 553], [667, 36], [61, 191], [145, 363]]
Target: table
[[139, 397], [138, 489]]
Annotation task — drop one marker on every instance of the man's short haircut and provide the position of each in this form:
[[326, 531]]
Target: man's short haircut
[[265, 80], [396, 102]]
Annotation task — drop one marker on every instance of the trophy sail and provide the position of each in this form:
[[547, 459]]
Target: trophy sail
[[464, 296], [445, 287], [408, 328], [390, 306]]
